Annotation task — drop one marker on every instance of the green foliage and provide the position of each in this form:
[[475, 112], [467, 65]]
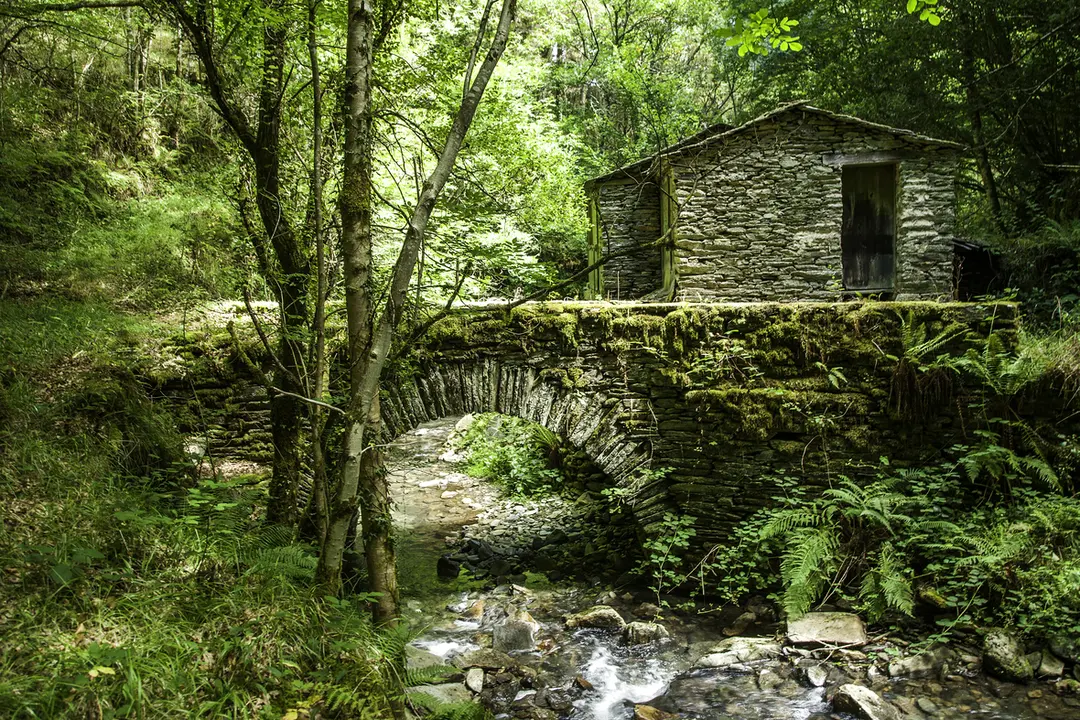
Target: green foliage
[[1041, 267], [519, 456], [663, 563], [760, 32], [131, 590], [928, 10], [834, 535]]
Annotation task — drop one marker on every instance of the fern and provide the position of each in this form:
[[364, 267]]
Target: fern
[[292, 561], [808, 563], [1001, 370], [354, 702], [435, 709], [1000, 463], [887, 584], [916, 341], [431, 675], [830, 538]]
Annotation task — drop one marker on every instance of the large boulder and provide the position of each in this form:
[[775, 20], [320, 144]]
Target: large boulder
[[863, 703], [598, 616], [643, 633], [1003, 656], [486, 658], [827, 628], [738, 651], [516, 632]]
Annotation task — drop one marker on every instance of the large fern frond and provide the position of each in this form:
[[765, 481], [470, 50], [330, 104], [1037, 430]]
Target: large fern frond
[[808, 562]]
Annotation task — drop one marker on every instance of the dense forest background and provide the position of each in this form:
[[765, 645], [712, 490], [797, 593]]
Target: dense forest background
[[157, 156], [114, 149]]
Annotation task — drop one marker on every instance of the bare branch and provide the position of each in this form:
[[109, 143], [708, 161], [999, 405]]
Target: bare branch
[[310, 401]]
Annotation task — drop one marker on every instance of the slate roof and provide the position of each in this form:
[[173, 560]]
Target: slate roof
[[721, 132]]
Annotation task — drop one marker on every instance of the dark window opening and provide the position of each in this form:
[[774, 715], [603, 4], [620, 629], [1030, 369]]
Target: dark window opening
[[868, 233]]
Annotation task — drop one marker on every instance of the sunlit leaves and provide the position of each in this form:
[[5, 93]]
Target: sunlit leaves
[[928, 10], [759, 33]]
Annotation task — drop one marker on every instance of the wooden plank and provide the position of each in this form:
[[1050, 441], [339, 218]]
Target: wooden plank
[[867, 158]]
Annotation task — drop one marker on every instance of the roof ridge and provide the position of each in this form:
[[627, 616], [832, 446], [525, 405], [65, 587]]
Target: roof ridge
[[693, 141]]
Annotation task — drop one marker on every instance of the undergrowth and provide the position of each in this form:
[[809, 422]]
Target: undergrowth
[[990, 534], [131, 587], [519, 456], [71, 226]]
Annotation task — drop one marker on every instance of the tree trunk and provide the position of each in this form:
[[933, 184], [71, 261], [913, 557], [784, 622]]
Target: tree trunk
[[317, 389], [369, 344], [286, 412], [291, 277], [982, 153], [356, 257]]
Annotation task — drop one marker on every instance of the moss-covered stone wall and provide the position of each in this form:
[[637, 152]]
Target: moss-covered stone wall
[[696, 408], [700, 408]]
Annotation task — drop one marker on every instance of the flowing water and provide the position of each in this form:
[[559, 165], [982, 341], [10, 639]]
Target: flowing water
[[590, 674]]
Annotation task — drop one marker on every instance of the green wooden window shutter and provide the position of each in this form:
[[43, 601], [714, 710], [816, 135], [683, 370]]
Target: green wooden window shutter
[[596, 251], [668, 220]]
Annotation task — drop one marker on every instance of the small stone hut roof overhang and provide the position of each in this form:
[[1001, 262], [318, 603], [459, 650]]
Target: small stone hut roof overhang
[[720, 132]]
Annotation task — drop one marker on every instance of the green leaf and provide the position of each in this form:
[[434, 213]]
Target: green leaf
[[912, 5], [934, 20], [61, 574]]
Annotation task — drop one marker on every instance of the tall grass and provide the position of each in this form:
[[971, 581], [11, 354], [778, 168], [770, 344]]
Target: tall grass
[[129, 588]]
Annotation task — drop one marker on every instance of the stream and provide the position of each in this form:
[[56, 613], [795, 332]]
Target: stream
[[532, 666]]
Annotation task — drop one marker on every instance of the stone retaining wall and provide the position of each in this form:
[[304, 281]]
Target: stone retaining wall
[[698, 409]]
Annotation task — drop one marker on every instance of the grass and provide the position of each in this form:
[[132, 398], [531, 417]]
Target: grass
[[128, 588]]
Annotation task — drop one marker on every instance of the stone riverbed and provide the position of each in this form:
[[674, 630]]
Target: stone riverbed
[[533, 649]]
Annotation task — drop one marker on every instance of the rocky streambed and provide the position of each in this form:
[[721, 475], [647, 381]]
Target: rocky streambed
[[581, 651]]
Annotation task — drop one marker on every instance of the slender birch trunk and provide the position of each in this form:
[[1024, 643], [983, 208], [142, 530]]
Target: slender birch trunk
[[363, 478]]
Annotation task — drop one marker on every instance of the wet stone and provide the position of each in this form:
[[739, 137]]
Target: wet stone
[[474, 679], [643, 633], [827, 628], [598, 616], [739, 650], [863, 703]]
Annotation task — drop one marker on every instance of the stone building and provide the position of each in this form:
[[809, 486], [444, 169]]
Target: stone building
[[798, 204]]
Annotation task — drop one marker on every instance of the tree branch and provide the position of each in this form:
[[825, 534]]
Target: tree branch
[[71, 7]]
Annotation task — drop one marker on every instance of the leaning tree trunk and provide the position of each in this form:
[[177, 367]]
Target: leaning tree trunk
[[356, 257], [369, 344]]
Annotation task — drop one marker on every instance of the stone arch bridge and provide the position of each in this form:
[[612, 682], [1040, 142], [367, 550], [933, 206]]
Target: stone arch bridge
[[693, 408], [699, 408]]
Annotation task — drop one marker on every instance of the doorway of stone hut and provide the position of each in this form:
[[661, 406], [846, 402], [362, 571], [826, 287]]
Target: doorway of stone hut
[[868, 235]]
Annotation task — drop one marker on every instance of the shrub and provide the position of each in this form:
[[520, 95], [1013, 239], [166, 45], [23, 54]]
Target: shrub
[[519, 456]]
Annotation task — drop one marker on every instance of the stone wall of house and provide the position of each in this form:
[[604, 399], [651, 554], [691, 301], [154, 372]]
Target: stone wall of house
[[630, 217], [760, 214]]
